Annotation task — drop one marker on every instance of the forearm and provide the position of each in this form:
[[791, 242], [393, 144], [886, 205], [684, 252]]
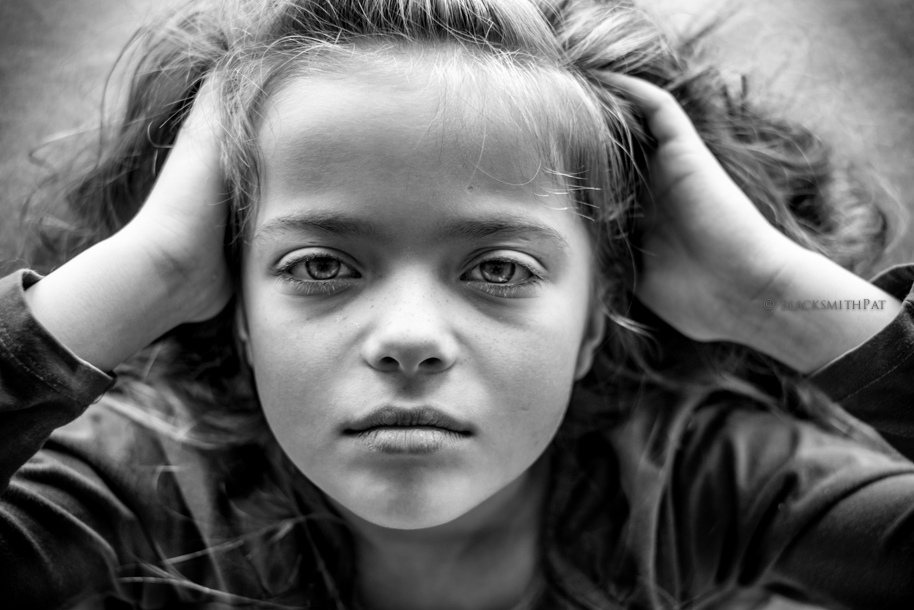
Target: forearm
[[109, 302]]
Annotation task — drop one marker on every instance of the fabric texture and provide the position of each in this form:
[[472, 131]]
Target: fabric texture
[[97, 511]]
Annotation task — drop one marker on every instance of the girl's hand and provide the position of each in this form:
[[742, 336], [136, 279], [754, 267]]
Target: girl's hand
[[181, 226], [165, 268], [716, 270]]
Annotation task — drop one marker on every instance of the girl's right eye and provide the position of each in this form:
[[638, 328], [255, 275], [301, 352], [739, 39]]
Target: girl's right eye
[[315, 272]]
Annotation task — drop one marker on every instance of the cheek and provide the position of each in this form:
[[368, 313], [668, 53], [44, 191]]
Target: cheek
[[294, 361], [530, 373]]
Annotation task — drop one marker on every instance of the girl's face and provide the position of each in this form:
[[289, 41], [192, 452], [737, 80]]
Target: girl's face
[[417, 299]]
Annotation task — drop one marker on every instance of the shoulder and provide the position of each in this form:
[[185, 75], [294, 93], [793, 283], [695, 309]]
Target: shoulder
[[736, 484], [692, 431], [729, 458], [144, 454], [105, 461], [667, 428], [755, 442], [108, 439]]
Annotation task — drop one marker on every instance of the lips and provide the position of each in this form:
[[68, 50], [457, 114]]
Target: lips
[[391, 417]]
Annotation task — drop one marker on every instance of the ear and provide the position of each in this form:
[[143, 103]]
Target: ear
[[593, 338], [241, 331]]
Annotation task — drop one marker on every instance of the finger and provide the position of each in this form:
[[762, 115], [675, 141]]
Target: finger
[[191, 181], [664, 116], [203, 121]]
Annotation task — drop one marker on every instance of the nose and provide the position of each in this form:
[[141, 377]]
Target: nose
[[411, 332]]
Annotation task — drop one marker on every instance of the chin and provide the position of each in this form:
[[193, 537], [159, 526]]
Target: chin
[[409, 508], [410, 519], [408, 512]]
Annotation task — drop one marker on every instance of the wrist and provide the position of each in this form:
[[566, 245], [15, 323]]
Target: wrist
[[188, 271], [107, 303], [813, 311], [769, 279]]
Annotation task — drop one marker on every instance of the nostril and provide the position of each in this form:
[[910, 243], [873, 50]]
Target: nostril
[[432, 363], [408, 362]]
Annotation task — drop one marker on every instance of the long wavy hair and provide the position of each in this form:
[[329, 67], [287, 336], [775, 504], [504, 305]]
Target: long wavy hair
[[552, 59]]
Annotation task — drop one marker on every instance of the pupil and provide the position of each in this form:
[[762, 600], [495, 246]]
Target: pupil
[[323, 268], [498, 272]]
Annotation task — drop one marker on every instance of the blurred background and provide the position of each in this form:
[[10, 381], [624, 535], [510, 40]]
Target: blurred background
[[845, 67]]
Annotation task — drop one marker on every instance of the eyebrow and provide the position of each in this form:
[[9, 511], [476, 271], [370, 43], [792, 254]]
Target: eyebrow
[[475, 229], [328, 223], [468, 229]]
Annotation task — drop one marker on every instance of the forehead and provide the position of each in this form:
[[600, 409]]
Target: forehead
[[410, 145], [495, 120], [529, 116]]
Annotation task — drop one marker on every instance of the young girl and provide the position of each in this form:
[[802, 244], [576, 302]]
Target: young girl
[[366, 273]]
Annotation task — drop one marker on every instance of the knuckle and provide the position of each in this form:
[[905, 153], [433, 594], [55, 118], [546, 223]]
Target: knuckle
[[667, 101]]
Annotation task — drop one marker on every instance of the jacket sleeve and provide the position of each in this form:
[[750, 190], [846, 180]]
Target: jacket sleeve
[[875, 381], [42, 384], [61, 527]]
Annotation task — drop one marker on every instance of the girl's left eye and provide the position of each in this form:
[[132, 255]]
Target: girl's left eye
[[503, 277], [502, 272], [321, 268]]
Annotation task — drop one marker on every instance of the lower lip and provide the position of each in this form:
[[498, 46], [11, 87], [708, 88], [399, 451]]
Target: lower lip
[[412, 440]]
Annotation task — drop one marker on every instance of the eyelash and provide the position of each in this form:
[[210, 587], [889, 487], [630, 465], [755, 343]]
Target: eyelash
[[315, 287]]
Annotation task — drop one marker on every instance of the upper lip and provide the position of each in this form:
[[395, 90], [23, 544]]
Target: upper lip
[[389, 415]]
